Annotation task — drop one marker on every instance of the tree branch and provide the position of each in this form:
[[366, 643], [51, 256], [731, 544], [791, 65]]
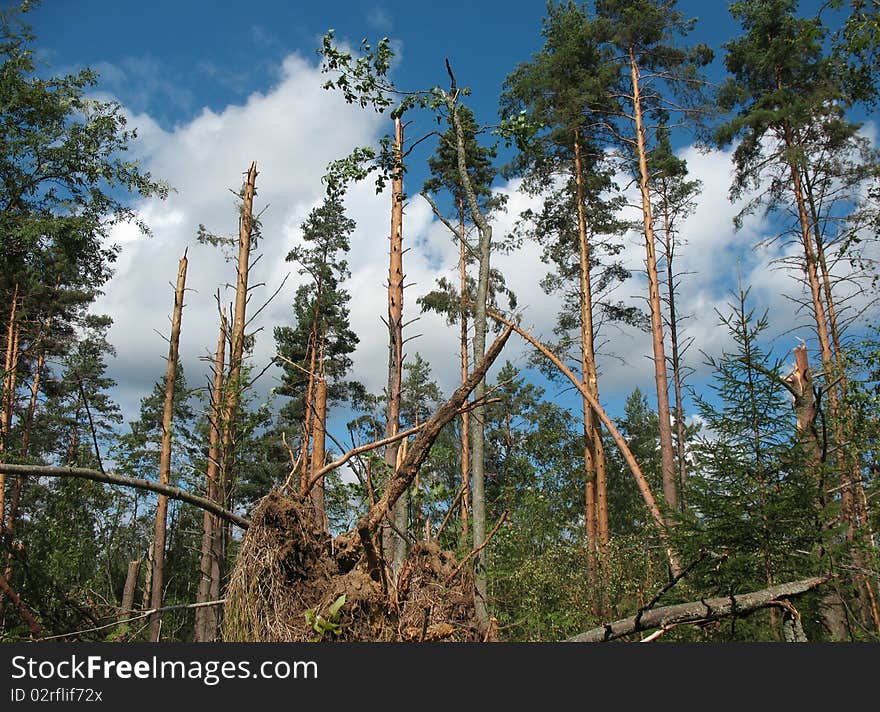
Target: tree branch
[[108, 478], [619, 440]]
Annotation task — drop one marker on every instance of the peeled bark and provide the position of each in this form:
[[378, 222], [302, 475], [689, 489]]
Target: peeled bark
[[395, 344], [667, 457], [319, 432], [165, 454]]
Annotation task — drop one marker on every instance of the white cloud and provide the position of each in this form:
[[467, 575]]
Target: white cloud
[[293, 131]]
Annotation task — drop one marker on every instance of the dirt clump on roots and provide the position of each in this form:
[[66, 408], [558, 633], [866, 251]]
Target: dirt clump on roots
[[289, 573]]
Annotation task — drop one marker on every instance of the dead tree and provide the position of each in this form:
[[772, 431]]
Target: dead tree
[[165, 453], [702, 611]]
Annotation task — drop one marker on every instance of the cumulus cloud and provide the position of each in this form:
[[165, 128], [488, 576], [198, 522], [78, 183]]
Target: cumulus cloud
[[293, 130]]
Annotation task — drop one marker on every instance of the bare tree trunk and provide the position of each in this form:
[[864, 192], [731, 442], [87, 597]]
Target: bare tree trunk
[[309, 404], [395, 344], [128, 591], [855, 499], [319, 431], [233, 387], [7, 389], [665, 426], [478, 475], [465, 416], [596, 513], [165, 454], [207, 623], [23, 610], [676, 357]]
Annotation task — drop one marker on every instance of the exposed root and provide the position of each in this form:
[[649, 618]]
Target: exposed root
[[289, 572]]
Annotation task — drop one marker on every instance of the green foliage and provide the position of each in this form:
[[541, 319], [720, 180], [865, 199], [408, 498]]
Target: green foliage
[[320, 311], [323, 625]]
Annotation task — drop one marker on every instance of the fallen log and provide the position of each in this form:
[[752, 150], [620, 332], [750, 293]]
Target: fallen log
[[701, 611]]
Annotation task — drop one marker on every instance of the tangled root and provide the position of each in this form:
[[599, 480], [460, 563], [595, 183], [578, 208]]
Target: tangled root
[[289, 572]]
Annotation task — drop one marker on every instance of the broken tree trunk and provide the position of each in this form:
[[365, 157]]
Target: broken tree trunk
[[701, 611], [233, 386], [165, 453], [418, 452], [806, 407], [128, 591], [207, 625], [394, 546], [319, 434]]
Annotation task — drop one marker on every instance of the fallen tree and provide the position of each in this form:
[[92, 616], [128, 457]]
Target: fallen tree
[[293, 582], [111, 479], [703, 611]]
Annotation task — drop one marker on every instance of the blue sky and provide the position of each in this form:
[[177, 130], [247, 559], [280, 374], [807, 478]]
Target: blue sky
[[214, 85]]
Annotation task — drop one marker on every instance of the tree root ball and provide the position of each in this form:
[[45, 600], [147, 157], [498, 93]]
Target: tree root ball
[[289, 573]]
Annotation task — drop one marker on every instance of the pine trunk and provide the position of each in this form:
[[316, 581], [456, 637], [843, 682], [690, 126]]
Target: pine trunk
[[667, 457], [128, 591], [597, 529], [465, 417], [165, 455], [391, 546], [233, 386], [207, 624], [478, 498], [319, 431], [676, 360]]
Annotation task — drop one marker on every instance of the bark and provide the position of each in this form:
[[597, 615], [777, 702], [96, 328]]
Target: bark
[[7, 376], [853, 495], [465, 416], [800, 383], [418, 451], [391, 543], [23, 610], [619, 440], [309, 403], [478, 475], [676, 356], [165, 453], [128, 591], [319, 432], [233, 386], [665, 426], [596, 513], [701, 611], [207, 624], [168, 491]]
